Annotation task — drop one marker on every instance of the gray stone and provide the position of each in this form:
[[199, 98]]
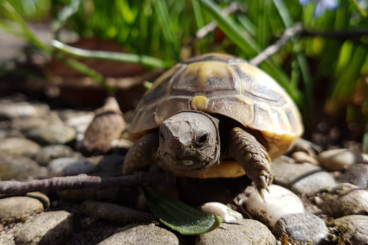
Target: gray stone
[[20, 168], [24, 124], [49, 153], [67, 166], [40, 197], [357, 174], [51, 134], [79, 120], [301, 178], [244, 232], [18, 147], [121, 146], [343, 199], [142, 235], [10, 109], [303, 157], [109, 165], [10, 133], [277, 203], [115, 213], [13, 209], [301, 228], [47, 228], [7, 240], [354, 228], [339, 159]]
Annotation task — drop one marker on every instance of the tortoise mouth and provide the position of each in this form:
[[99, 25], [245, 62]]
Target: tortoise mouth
[[184, 164]]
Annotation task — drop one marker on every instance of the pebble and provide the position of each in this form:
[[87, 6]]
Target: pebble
[[108, 165], [47, 228], [301, 228], [18, 147], [24, 124], [20, 168], [354, 228], [14, 209], [301, 178], [49, 153], [343, 199], [7, 240], [357, 174], [227, 214], [10, 109], [121, 146], [244, 232], [339, 159], [51, 134], [66, 166], [277, 203], [115, 213], [40, 197], [303, 157], [79, 120], [142, 235], [10, 133]]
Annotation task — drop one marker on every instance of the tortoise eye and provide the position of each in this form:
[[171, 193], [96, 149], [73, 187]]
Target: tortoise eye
[[202, 139]]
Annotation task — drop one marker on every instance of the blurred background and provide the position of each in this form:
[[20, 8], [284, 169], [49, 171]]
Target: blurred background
[[48, 52]]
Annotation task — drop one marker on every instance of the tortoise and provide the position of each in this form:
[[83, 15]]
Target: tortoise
[[210, 109]]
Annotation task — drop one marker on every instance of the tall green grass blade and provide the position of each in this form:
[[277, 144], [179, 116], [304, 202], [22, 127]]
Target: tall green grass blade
[[104, 55], [197, 14], [65, 14], [356, 6]]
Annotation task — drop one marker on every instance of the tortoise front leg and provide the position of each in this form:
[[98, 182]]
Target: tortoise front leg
[[140, 155], [252, 156]]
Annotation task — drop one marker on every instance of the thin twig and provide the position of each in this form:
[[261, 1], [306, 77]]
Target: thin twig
[[83, 181], [201, 33], [270, 50]]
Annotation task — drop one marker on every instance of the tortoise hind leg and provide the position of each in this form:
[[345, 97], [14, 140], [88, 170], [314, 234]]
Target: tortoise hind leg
[[140, 155], [252, 156]]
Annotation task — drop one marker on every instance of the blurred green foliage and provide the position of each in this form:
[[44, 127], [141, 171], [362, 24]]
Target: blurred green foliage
[[331, 54]]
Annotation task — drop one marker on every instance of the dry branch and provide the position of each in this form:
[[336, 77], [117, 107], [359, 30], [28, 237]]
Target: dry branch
[[83, 181], [274, 48]]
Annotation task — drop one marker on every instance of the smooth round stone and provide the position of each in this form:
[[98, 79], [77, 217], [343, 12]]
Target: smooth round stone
[[142, 235], [49, 153], [355, 228], [18, 147], [13, 209], [108, 165], [11, 109], [52, 134], [79, 120], [357, 174], [115, 213], [277, 203], [301, 228], [47, 228], [339, 159], [67, 166], [343, 199], [40, 197], [20, 168], [23, 124], [303, 157], [7, 240], [302, 178], [10, 133], [244, 232], [121, 146], [218, 209]]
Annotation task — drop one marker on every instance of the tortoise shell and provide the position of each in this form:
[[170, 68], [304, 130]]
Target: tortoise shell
[[225, 85]]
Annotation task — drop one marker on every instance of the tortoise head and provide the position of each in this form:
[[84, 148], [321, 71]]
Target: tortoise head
[[189, 141]]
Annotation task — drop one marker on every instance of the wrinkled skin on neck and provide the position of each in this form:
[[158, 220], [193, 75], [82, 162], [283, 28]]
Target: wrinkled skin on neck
[[189, 141]]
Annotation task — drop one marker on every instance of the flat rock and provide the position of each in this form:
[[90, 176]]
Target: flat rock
[[49, 153], [142, 235], [277, 203], [20, 168], [244, 232], [67, 166], [339, 159], [14, 209], [10, 109], [115, 213], [18, 147], [7, 240], [301, 228], [354, 228], [357, 174], [47, 228], [51, 134], [303, 178], [343, 199]]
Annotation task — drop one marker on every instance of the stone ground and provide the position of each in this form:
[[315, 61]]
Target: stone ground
[[314, 200]]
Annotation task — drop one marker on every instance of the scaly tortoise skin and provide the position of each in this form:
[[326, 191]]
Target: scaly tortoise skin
[[264, 120]]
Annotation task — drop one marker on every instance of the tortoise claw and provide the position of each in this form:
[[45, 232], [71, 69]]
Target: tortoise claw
[[264, 183]]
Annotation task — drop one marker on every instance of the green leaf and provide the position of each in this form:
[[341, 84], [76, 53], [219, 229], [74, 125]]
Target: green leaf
[[179, 216]]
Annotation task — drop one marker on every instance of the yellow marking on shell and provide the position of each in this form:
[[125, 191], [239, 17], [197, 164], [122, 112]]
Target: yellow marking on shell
[[199, 103], [163, 77], [227, 169]]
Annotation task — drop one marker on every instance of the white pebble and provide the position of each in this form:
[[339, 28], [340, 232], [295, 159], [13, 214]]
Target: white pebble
[[227, 214]]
